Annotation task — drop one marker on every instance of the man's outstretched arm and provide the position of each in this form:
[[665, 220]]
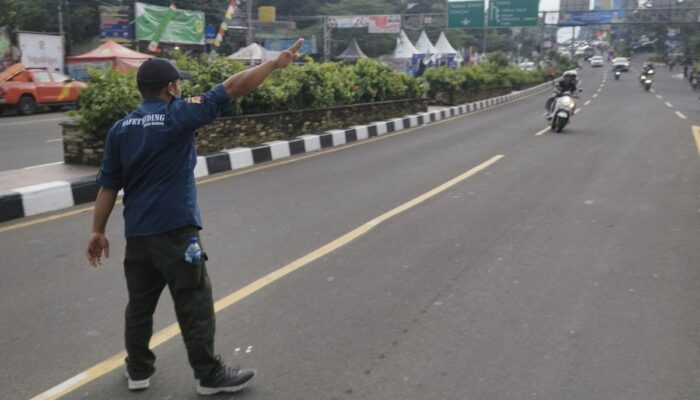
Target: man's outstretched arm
[[246, 81]]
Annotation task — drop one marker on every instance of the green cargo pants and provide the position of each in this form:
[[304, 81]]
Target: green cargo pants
[[151, 263]]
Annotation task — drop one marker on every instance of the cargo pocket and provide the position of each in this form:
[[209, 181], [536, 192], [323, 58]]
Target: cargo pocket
[[184, 274]]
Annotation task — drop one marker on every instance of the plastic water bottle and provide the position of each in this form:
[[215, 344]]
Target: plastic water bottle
[[193, 254]]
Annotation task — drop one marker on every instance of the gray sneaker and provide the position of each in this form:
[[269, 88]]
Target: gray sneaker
[[225, 380], [133, 384]]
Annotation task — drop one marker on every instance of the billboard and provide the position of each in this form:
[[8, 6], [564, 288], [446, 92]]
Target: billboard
[[578, 18], [341, 22], [114, 23], [169, 25], [5, 49], [385, 24], [267, 14], [310, 45], [608, 4], [41, 51]]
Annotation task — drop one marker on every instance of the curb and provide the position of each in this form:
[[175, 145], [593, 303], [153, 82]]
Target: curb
[[57, 195]]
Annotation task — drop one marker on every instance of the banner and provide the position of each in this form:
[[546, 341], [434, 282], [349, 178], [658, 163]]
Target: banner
[[361, 21], [577, 18], [5, 50], [309, 47], [385, 24], [114, 23], [169, 25], [41, 51]]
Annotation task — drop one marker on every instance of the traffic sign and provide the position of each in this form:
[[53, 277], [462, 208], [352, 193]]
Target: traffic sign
[[509, 13], [465, 14]]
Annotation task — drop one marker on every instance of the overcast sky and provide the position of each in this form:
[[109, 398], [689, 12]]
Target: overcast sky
[[548, 5]]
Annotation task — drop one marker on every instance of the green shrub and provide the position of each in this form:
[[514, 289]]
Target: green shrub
[[109, 97]]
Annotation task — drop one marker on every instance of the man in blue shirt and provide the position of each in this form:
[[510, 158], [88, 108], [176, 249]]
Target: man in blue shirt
[[150, 154]]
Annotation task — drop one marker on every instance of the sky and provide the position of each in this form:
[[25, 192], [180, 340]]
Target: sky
[[549, 5]]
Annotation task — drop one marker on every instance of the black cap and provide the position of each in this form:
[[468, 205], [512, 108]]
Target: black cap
[[159, 70]]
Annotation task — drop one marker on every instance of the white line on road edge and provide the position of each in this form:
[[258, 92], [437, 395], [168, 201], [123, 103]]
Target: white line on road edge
[[653, 91], [587, 103], [44, 165], [54, 140], [542, 132], [578, 110], [173, 330], [658, 96], [600, 90], [680, 114], [34, 122], [669, 105], [696, 134], [595, 95]]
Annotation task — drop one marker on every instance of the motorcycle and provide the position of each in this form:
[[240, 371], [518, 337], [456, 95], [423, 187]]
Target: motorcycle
[[564, 108], [617, 75], [694, 83], [646, 82]]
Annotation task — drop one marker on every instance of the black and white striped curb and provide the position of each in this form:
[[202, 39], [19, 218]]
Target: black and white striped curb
[[52, 196]]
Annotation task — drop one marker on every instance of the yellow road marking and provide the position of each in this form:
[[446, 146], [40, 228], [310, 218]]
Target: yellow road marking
[[272, 164], [171, 331], [696, 134], [543, 131], [681, 115]]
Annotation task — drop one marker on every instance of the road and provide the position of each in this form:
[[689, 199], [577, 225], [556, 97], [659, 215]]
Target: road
[[471, 259], [30, 141]]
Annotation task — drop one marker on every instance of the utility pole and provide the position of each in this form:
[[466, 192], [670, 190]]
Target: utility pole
[[60, 27], [249, 13], [326, 40], [60, 16]]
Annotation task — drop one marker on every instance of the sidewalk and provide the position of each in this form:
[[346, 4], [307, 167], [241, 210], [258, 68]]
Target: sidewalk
[[18, 178]]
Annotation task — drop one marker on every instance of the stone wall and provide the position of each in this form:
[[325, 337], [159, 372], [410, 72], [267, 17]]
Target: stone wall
[[252, 130]]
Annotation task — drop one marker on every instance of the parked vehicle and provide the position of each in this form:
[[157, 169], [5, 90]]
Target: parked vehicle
[[25, 89]]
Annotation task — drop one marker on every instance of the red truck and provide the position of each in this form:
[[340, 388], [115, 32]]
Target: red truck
[[27, 88]]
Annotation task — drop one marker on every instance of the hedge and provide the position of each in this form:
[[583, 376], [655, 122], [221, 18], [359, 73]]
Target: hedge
[[111, 95]]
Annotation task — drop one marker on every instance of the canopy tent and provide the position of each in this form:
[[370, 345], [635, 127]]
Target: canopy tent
[[405, 50], [254, 53], [108, 54], [352, 53], [443, 45], [425, 46]]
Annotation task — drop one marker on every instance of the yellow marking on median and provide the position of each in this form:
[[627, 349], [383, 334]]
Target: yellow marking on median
[[696, 134], [171, 331]]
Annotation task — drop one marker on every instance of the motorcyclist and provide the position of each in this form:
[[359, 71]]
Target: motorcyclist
[[567, 84], [647, 70]]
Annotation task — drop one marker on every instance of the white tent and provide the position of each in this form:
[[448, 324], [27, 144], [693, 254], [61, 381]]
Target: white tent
[[424, 46], [352, 53], [443, 45], [404, 49], [254, 52]]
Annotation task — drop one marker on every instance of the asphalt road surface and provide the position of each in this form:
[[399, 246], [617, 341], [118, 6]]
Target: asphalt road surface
[[471, 259], [30, 141]]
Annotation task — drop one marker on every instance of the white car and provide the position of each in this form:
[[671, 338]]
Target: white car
[[621, 63], [596, 61]]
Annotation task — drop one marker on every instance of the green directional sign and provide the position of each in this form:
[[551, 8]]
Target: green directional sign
[[508, 13], [465, 14]]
